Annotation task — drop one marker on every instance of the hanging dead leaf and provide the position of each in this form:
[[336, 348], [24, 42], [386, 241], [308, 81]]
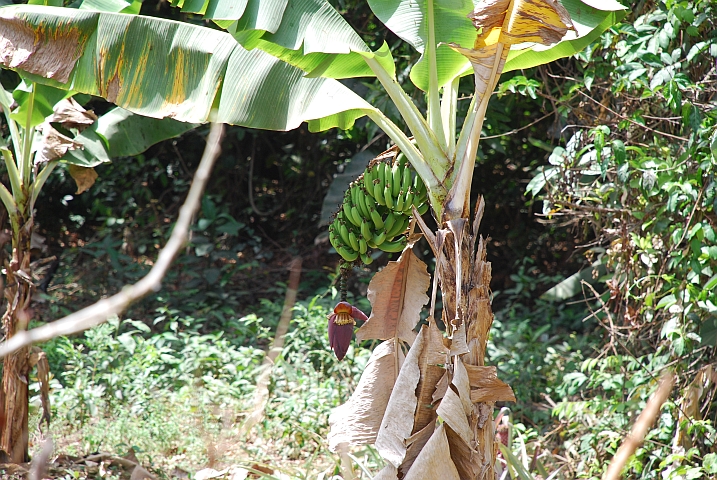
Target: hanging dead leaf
[[397, 423], [415, 444], [357, 421], [456, 406], [486, 386], [389, 472], [519, 21], [54, 145], [469, 461], [704, 381], [462, 384], [431, 361], [458, 341], [84, 177], [397, 293], [70, 114], [441, 387], [38, 358], [434, 461]]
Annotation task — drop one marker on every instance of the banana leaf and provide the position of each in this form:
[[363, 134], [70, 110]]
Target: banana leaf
[[162, 68]]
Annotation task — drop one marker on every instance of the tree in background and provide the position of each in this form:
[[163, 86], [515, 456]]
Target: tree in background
[[278, 65]]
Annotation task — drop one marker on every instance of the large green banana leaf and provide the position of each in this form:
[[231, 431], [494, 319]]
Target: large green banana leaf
[[161, 68], [309, 34]]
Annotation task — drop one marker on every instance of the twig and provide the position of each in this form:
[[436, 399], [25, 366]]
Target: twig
[[261, 394], [38, 467], [516, 130], [99, 312], [641, 427], [664, 134], [590, 208]]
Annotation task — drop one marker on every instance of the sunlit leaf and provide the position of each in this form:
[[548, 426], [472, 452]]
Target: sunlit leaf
[[161, 68], [407, 19]]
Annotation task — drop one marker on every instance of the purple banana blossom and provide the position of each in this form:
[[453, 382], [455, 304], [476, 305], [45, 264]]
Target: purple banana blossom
[[341, 327]]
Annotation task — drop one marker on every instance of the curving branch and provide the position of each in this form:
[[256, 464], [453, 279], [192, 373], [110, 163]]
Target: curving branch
[[99, 312]]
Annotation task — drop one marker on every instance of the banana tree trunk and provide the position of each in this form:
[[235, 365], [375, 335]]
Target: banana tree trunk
[[16, 366], [465, 276]]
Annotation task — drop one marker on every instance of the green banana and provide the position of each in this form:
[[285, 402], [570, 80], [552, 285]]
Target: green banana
[[400, 159], [356, 216], [420, 186], [378, 193], [344, 233], [400, 200], [379, 238], [388, 196], [370, 202], [366, 259], [377, 220], [348, 255], [370, 243], [353, 241], [399, 227], [408, 203], [393, 247], [366, 230], [396, 173], [334, 238], [357, 194], [363, 246], [406, 179], [390, 220], [382, 174], [350, 197], [423, 208], [348, 214], [368, 178], [417, 200]]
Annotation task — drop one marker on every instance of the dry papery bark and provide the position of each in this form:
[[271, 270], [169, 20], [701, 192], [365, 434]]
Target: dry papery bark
[[429, 412]]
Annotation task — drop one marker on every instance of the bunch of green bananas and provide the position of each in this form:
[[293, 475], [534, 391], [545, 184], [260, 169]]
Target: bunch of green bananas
[[377, 209]]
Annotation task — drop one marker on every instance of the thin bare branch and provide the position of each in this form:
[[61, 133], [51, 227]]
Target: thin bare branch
[[99, 312], [642, 426]]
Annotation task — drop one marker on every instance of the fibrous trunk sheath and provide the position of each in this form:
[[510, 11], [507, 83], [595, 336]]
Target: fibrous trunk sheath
[[465, 277], [16, 366]]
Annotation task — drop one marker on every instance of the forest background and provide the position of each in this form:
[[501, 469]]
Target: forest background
[[602, 164]]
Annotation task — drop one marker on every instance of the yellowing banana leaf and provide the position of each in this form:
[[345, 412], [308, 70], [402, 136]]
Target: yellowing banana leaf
[[161, 68], [500, 26], [408, 19], [590, 18]]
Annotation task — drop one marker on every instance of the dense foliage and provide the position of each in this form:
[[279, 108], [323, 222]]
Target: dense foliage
[[621, 162], [636, 177]]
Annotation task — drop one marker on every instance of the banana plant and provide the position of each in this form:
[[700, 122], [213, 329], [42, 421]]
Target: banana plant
[[278, 63], [34, 148]]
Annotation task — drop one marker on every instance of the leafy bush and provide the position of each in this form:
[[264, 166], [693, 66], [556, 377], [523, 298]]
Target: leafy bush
[[638, 175]]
